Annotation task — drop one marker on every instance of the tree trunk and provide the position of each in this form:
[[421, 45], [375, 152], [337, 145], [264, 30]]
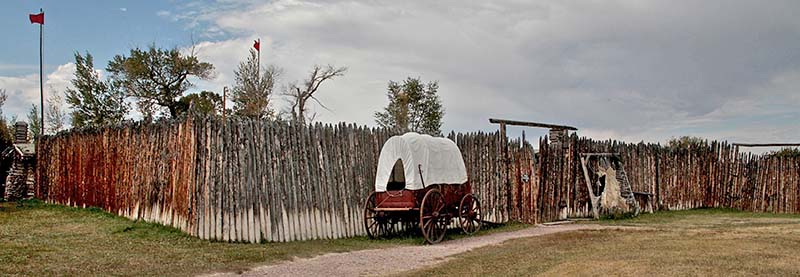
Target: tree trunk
[[173, 109]]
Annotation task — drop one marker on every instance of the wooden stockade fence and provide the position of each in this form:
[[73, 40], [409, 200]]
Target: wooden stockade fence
[[712, 174], [246, 180]]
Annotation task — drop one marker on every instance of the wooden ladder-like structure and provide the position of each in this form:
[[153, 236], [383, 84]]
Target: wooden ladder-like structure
[[626, 191]]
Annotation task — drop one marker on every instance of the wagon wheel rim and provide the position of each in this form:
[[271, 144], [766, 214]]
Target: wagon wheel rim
[[469, 214], [433, 217], [373, 223]]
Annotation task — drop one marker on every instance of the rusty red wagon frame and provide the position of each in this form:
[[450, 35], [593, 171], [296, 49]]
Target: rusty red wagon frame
[[421, 180]]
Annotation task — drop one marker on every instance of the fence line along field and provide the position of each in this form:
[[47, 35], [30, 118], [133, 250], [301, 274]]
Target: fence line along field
[[253, 180]]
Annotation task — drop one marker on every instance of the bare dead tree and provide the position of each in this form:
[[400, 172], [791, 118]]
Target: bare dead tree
[[300, 95]]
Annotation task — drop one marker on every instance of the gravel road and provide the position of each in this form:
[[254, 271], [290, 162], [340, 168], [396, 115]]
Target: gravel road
[[398, 259]]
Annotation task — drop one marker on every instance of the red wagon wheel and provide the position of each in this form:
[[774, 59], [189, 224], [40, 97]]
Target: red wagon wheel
[[376, 225], [433, 218], [469, 214]]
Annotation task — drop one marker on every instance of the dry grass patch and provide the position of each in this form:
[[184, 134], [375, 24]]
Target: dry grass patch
[[697, 242], [40, 239]]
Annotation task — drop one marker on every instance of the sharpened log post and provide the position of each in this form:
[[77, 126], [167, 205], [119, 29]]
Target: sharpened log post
[[507, 163], [658, 179]]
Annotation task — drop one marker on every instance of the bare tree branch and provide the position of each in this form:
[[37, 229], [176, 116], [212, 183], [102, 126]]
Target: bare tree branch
[[299, 97]]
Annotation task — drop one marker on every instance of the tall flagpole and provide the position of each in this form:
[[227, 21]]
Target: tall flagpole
[[41, 79], [258, 70]]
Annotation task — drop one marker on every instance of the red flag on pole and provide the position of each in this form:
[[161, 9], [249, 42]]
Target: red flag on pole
[[257, 45], [37, 18]]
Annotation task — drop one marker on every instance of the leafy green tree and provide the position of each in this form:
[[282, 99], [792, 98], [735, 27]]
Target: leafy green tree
[[6, 134], [413, 106], [34, 122], [10, 125], [205, 103], [157, 77], [6, 140], [253, 89], [6, 131], [94, 102], [686, 142]]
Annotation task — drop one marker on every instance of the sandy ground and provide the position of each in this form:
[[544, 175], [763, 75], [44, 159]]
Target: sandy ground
[[398, 259]]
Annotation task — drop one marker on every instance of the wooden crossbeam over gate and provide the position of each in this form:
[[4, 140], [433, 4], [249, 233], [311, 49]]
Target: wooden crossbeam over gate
[[504, 122]]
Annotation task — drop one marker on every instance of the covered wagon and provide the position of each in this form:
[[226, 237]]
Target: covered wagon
[[421, 181]]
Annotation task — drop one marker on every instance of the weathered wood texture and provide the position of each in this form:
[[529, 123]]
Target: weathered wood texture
[[138, 171], [483, 157], [242, 180], [259, 180], [230, 180], [701, 175]]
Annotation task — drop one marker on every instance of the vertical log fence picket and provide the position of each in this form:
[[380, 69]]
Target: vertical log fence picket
[[251, 180]]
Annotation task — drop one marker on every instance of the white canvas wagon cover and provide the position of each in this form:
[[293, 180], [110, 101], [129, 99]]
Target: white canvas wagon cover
[[439, 159]]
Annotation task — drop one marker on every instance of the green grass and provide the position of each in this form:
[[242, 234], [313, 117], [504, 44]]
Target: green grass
[[714, 242], [42, 239]]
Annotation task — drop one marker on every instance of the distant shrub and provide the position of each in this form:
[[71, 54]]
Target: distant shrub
[[786, 153], [687, 142]]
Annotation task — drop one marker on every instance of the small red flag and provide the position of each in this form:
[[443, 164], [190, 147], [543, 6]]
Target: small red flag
[[37, 18], [257, 45]]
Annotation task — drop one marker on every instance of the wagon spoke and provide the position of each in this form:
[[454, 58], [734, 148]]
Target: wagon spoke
[[429, 230], [427, 223]]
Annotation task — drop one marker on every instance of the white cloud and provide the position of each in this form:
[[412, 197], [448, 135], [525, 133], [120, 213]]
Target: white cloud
[[632, 70], [23, 91], [624, 69]]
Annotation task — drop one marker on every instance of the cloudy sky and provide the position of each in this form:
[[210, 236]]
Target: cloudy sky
[[631, 70]]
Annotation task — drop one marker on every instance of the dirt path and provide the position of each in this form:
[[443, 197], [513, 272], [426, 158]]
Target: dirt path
[[398, 259]]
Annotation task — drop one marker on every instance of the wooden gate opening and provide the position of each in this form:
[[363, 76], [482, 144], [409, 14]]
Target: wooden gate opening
[[557, 135]]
